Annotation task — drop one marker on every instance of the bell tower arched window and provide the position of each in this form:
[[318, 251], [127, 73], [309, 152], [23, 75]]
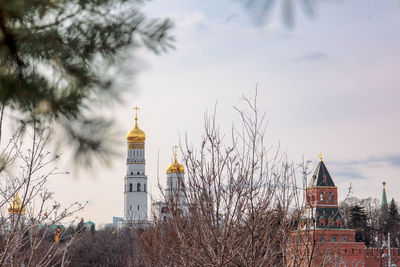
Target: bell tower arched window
[[322, 196], [130, 187], [138, 187]]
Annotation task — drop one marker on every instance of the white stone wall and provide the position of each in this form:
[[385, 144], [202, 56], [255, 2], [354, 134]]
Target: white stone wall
[[135, 186], [175, 183]]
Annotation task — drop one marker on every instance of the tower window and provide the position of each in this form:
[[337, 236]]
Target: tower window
[[130, 187], [322, 222], [138, 173], [138, 188], [130, 207], [138, 207], [322, 196], [131, 173], [144, 188], [330, 197]]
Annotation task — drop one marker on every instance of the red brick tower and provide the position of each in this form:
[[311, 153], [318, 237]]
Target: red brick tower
[[322, 238]]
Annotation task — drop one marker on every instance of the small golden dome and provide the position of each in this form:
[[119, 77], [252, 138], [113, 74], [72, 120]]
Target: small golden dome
[[175, 167], [136, 135], [16, 206]]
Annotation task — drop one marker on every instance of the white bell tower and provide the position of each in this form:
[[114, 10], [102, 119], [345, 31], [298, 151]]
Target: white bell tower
[[135, 186], [176, 182]]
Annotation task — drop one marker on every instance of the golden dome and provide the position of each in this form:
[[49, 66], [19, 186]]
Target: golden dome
[[136, 135], [175, 167], [16, 205]]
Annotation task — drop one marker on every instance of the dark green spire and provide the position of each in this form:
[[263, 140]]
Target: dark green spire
[[384, 204]]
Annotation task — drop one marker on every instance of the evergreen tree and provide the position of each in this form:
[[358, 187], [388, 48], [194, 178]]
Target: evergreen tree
[[359, 222], [56, 57], [393, 223]]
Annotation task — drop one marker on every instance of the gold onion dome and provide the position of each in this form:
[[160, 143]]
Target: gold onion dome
[[175, 167], [136, 135], [16, 205]]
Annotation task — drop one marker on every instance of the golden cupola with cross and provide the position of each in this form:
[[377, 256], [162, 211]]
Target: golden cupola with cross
[[136, 134], [175, 167], [16, 207]]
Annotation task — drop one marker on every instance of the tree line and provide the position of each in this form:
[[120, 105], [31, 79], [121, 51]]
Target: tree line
[[372, 221]]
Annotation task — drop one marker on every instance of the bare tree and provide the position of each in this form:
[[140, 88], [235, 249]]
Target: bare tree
[[29, 214], [238, 202]]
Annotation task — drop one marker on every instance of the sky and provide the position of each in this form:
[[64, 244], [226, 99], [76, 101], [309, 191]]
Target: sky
[[329, 84]]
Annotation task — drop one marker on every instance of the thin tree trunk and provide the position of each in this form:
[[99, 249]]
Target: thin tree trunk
[[1, 118]]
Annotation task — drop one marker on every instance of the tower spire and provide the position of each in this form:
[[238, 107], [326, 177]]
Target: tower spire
[[384, 203], [321, 175]]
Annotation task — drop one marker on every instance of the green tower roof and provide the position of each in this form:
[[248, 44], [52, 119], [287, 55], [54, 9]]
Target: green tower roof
[[321, 176], [384, 203]]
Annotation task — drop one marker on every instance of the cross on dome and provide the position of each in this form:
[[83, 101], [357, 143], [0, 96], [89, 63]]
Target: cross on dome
[[175, 151], [175, 167], [136, 109]]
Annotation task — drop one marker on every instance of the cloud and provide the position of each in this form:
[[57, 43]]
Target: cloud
[[314, 56], [230, 17], [193, 20], [350, 173], [391, 160], [355, 169]]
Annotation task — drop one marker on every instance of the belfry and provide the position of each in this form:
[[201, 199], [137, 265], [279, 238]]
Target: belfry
[[175, 181], [135, 186]]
